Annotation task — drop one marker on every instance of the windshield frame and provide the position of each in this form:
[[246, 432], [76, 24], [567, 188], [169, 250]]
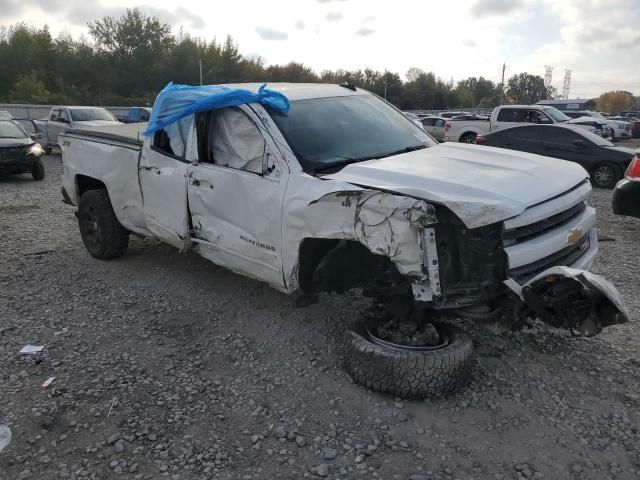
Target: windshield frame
[[422, 140], [555, 114], [17, 127], [73, 111]]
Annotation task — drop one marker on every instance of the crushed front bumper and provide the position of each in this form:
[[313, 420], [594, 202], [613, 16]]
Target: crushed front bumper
[[574, 299]]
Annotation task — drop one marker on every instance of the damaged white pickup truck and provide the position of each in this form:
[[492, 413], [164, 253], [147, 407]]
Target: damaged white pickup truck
[[340, 191]]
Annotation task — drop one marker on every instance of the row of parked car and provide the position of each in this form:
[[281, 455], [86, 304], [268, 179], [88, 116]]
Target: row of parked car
[[23, 140], [582, 137], [569, 135]]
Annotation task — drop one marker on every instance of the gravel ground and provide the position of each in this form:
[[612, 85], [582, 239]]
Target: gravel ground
[[167, 366]]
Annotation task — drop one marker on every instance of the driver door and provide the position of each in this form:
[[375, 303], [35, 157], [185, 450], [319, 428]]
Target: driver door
[[236, 191]]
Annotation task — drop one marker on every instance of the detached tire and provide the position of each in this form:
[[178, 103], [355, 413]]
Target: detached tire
[[37, 169], [409, 373], [101, 232]]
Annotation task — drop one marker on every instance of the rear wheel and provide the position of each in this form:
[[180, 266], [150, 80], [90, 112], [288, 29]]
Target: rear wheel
[[375, 359], [605, 175], [101, 232], [37, 169], [468, 138]]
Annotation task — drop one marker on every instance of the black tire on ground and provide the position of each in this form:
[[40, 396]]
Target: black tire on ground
[[48, 150], [101, 232], [408, 373], [468, 138], [37, 169], [605, 175]]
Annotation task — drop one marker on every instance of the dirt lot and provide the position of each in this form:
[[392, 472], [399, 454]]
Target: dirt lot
[[167, 366]]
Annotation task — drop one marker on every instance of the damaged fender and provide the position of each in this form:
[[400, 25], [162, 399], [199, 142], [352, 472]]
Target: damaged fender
[[574, 299], [387, 224]]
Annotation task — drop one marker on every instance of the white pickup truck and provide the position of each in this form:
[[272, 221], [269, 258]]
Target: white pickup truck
[[505, 116], [71, 118], [342, 192]]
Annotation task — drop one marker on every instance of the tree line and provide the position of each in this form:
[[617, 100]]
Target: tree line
[[130, 58]]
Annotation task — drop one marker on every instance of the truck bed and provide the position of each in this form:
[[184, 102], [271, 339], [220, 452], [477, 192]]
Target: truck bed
[[125, 133], [111, 155]]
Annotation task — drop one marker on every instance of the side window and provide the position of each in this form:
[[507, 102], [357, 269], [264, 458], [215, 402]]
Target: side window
[[535, 116], [144, 116], [440, 123], [54, 115], [560, 135], [511, 115], [161, 142], [429, 122], [229, 138], [64, 116], [526, 133]]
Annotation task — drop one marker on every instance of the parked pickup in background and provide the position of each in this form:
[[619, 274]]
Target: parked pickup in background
[[61, 119], [342, 192], [135, 115], [505, 116]]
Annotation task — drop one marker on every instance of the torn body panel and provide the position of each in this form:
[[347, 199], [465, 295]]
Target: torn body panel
[[574, 299], [387, 225]]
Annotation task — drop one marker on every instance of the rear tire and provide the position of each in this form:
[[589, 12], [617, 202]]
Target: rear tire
[[468, 138], [605, 175], [408, 373], [101, 232], [37, 169]]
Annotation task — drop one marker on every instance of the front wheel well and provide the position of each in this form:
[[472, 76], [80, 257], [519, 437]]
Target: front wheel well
[[338, 265]]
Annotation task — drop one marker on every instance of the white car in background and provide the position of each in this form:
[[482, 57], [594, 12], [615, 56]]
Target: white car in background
[[618, 129]]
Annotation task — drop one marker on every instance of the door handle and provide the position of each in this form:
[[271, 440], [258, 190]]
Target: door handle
[[195, 182]]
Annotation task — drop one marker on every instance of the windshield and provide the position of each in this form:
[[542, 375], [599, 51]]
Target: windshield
[[335, 131], [11, 130], [556, 114], [88, 114]]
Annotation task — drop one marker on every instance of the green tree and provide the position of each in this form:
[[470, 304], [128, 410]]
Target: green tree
[[29, 89], [526, 89]]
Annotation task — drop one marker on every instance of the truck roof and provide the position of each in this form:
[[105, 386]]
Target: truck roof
[[302, 91]]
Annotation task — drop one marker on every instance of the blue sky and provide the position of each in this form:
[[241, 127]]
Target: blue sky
[[598, 40]]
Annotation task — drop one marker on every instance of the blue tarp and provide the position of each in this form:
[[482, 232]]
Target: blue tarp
[[175, 102]]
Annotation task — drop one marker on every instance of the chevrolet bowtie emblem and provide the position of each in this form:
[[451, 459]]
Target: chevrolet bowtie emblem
[[575, 235]]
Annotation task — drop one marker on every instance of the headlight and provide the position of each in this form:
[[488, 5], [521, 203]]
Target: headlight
[[34, 149]]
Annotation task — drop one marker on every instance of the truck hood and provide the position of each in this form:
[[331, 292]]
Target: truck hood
[[95, 123], [481, 185], [587, 120]]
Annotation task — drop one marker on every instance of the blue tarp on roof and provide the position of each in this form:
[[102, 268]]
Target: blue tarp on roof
[[175, 102]]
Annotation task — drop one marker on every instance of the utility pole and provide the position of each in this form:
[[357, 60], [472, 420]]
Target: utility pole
[[385, 84], [200, 62], [504, 67]]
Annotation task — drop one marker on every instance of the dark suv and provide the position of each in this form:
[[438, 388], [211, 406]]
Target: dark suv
[[18, 151]]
